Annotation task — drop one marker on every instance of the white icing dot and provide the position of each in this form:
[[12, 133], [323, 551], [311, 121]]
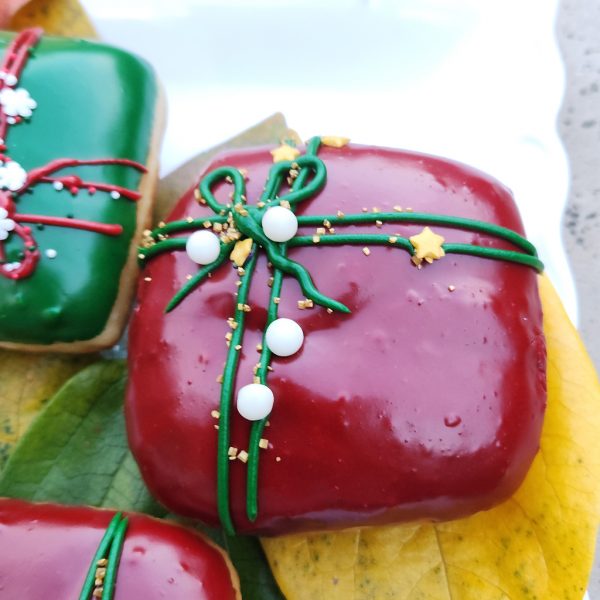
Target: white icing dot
[[51, 253], [10, 79], [203, 247], [279, 224], [58, 185], [284, 337], [255, 401], [115, 195], [11, 120]]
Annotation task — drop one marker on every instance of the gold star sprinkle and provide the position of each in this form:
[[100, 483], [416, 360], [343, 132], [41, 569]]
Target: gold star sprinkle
[[427, 245], [285, 152], [241, 251], [334, 141]]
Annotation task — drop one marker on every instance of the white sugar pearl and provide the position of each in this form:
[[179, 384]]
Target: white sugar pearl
[[279, 224], [255, 401], [51, 253], [284, 337], [203, 247]]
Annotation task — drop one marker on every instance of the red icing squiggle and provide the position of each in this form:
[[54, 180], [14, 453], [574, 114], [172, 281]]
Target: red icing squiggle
[[14, 61]]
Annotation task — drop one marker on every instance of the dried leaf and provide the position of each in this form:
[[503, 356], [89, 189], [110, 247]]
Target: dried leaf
[[28, 381], [57, 17], [539, 544]]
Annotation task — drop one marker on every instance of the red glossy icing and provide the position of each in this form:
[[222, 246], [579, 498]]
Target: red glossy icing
[[47, 549], [423, 403]]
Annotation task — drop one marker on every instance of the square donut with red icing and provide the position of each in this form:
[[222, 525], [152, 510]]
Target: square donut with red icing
[[333, 336], [79, 126]]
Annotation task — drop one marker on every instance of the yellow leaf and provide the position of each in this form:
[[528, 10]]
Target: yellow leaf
[[57, 17], [27, 381], [537, 545]]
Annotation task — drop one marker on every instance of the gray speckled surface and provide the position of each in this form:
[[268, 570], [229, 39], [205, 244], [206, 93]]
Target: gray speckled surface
[[578, 30]]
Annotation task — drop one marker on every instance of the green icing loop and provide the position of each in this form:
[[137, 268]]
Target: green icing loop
[[247, 221], [110, 548]]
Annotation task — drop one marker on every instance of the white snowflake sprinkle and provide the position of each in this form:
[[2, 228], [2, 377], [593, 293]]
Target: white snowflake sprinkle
[[6, 225], [17, 103], [12, 176]]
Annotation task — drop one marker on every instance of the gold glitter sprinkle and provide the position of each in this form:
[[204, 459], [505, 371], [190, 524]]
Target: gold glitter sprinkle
[[141, 256], [284, 152], [378, 223], [238, 347], [321, 231], [392, 239], [241, 271], [207, 224], [330, 311], [188, 276], [102, 562], [427, 245], [197, 194], [241, 251], [161, 224], [228, 179], [232, 451], [215, 414], [243, 456], [238, 283], [259, 347], [340, 214], [365, 209], [285, 204], [263, 443], [366, 251], [239, 208], [270, 282], [316, 239], [244, 173], [232, 323], [260, 204], [398, 208], [334, 141], [256, 379], [409, 209], [189, 219], [216, 427], [276, 300], [218, 227], [228, 336], [451, 288]]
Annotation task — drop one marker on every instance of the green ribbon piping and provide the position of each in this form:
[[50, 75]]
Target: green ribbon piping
[[110, 547]]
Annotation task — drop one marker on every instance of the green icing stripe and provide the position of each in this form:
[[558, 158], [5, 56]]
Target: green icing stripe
[[110, 548], [231, 365], [425, 219], [247, 220], [400, 242]]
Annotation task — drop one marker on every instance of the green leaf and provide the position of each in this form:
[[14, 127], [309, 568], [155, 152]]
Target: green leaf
[[76, 452]]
